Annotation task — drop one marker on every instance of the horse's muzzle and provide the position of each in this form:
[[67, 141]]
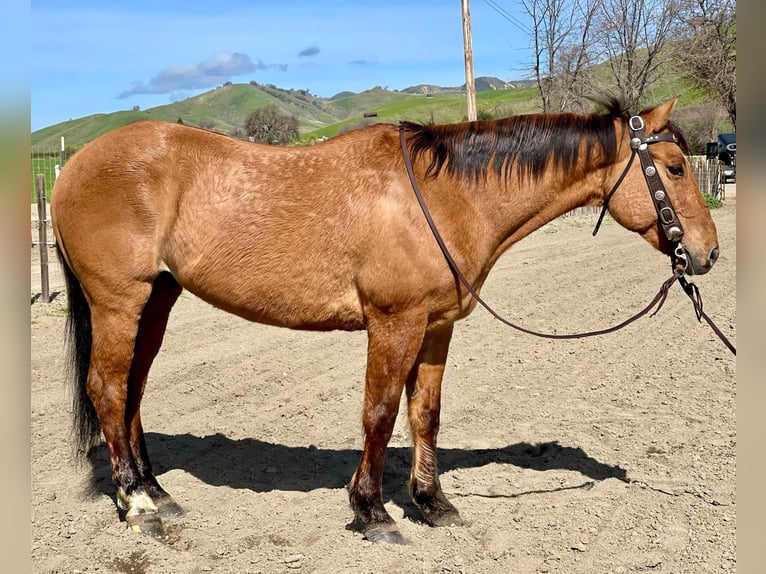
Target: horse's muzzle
[[700, 264]]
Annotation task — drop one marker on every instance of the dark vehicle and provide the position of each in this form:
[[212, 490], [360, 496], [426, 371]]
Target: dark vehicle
[[725, 149]]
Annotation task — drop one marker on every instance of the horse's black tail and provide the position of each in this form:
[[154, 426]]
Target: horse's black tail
[[86, 428]]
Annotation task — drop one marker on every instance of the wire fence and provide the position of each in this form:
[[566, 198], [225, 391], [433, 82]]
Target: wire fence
[[48, 159], [709, 175]]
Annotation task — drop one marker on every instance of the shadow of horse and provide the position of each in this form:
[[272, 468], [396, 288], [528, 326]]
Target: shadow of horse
[[263, 466]]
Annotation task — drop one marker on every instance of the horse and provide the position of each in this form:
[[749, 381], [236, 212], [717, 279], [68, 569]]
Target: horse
[[330, 237]]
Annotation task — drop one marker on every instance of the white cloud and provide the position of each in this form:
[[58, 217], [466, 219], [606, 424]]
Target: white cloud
[[214, 71]]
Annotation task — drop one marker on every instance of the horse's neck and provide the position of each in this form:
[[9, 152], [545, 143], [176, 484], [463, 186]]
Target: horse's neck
[[514, 210]]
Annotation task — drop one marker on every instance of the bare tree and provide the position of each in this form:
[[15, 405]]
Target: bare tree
[[577, 56], [562, 49], [633, 35], [710, 49], [537, 11], [637, 41]]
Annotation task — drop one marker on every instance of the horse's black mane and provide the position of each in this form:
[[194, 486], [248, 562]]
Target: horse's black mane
[[531, 142]]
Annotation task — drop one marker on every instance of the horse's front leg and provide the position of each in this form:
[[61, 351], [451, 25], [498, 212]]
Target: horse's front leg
[[393, 345], [424, 405]]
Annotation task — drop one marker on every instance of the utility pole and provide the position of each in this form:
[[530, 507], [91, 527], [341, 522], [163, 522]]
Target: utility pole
[[470, 84]]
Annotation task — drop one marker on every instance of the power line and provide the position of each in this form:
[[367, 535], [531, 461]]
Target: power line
[[508, 16]]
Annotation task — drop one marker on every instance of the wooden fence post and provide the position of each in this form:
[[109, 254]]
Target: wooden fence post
[[43, 235]]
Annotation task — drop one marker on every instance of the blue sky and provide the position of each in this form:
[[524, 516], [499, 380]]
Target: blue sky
[[97, 57]]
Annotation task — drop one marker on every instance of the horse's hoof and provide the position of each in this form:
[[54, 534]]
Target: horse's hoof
[[384, 536], [451, 518], [438, 511], [167, 509], [148, 524]]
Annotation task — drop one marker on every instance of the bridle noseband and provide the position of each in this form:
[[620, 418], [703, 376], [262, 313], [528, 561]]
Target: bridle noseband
[[666, 215]]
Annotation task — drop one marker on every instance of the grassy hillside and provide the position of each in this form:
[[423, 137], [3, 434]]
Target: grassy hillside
[[222, 109], [441, 107], [225, 108], [367, 101]]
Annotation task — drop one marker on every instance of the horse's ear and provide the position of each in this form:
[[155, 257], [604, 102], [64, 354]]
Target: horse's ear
[[657, 118]]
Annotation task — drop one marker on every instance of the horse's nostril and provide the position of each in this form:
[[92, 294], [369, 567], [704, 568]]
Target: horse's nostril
[[714, 254]]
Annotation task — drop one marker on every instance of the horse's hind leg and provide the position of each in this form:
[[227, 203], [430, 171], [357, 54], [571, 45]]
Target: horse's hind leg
[[151, 329], [128, 323], [114, 317], [424, 404]]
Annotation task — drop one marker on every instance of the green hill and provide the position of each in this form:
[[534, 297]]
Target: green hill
[[440, 107], [224, 109]]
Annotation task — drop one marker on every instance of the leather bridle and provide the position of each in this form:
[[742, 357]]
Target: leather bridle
[[666, 215], [666, 218]]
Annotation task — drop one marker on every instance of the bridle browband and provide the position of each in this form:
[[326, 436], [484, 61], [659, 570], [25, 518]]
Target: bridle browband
[[666, 218]]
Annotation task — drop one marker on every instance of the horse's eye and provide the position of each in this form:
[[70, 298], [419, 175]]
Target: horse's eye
[[676, 170]]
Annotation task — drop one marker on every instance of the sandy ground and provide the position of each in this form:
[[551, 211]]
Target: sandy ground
[[614, 454]]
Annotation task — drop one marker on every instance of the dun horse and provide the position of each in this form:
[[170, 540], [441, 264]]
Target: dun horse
[[329, 237]]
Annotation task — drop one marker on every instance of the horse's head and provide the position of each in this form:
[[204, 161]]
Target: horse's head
[[633, 205]]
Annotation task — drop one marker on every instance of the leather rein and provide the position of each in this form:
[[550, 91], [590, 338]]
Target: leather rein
[[666, 217]]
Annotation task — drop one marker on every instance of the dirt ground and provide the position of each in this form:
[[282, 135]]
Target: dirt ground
[[613, 454]]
